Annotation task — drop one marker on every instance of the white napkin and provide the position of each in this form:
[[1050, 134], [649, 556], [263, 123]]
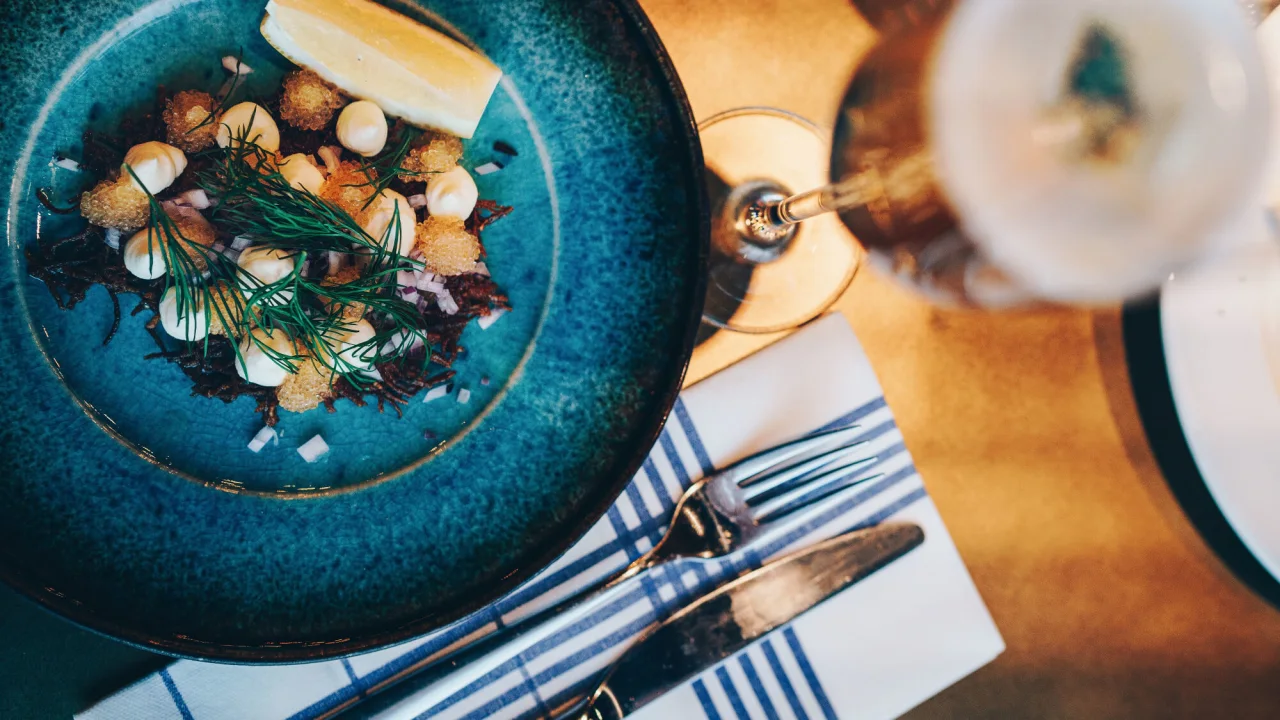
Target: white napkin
[[874, 651]]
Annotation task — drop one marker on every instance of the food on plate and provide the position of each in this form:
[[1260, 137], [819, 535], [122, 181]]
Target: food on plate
[[318, 243]]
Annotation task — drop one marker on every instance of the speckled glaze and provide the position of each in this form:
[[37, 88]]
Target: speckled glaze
[[115, 510]]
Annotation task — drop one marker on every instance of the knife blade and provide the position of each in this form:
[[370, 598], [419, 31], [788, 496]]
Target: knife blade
[[727, 619]]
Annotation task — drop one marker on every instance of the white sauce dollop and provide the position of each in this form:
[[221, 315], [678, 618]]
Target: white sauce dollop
[[256, 363], [191, 324], [261, 266], [362, 128], [144, 255], [353, 345], [154, 164], [378, 222], [452, 194], [251, 122], [301, 174]]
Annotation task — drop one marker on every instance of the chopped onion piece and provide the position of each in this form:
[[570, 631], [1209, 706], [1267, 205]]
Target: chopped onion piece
[[446, 303], [112, 238], [235, 66], [410, 295], [488, 168], [406, 278], [436, 393], [335, 262], [73, 166], [265, 435], [374, 374], [330, 155], [464, 396], [241, 242], [197, 199], [481, 269], [313, 449], [486, 321], [426, 281], [435, 287], [417, 201]]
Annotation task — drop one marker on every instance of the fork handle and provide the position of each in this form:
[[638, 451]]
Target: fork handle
[[422, 686]]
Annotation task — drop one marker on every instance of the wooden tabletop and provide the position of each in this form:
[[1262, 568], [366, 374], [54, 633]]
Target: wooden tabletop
[[1024, 429]]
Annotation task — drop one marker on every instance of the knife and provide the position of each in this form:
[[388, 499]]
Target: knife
[[731, 617]]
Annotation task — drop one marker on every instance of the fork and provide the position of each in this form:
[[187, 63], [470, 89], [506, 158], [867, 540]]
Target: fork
[[717, 515]]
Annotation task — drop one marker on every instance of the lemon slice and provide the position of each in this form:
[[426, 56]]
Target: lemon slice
[[375, 54]]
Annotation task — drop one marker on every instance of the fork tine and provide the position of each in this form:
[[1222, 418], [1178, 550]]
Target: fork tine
[[760, 487], [775, 458], [810, 493]]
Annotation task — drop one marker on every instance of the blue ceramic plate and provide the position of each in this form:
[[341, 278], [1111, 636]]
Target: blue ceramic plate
[[137, 510]]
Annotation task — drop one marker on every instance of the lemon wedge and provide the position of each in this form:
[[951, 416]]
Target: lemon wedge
[[376, 54]]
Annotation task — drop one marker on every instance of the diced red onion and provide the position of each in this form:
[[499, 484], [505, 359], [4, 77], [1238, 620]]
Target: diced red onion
[[313, 449], [481, 269], [374, 374], [488, 168], [235, 66], [73, 166], [402, 342], [436, 393], [112, 238], [265, 435], [417, 201], [406, 278], [218, 248], [464, 396], [197, 199], [330, 155], [241, 242], [410, 295], [435, 287], [446, 303], [486, 321], [426, 280]]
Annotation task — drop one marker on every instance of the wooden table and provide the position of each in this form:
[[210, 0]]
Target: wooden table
[[1024, 428]]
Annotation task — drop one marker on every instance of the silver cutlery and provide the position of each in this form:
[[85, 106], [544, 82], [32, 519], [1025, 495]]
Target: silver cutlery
[[727, 619], [717, 515]]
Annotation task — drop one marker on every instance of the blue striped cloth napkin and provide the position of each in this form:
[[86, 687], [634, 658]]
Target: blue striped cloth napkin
[[873, 651]]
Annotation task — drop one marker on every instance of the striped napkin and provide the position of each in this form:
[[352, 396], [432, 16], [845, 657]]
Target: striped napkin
[[874, 651]]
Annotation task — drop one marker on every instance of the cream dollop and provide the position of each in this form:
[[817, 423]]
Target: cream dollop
[[452, 194], [261, 266], [259, 352], [353, 344], [362, 128], [378, 222], [155, 165], [248, 121], [301, 174], [191, 323], [144, 255]]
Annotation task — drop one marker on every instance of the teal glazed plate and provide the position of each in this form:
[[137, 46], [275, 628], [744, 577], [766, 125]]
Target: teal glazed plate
[[136, 510]]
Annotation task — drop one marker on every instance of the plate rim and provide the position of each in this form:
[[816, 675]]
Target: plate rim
[[1143, 331], [185, 648]]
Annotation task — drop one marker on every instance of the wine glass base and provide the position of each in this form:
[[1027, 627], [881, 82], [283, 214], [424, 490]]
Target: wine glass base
[[763, 278]]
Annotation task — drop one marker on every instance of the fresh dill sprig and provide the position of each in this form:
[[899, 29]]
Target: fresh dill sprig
[[255, 200]]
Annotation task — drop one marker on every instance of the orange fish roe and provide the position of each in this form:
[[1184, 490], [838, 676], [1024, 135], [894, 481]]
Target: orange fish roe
[[186, 117], [432, 153], [446, 246], [349, 188], [223, 305], [352, 312], [306, 389], [309, 102], [116, 203]]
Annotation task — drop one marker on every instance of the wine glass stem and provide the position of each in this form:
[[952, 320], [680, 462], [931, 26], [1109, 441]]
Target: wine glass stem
[[846, 194]]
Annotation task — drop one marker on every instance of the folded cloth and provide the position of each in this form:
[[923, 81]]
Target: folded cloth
[[874, 651]]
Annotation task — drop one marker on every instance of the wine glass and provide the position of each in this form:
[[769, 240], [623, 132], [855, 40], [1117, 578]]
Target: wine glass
[[991, 153]]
